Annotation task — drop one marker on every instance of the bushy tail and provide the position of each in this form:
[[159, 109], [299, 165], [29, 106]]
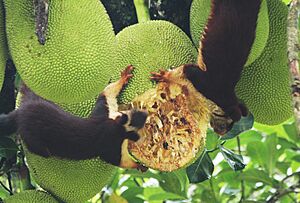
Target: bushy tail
[[8, 124]]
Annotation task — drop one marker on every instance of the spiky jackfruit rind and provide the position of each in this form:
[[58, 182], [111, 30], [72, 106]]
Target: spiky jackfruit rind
[[199, 14], [31, 196], [3, 44], [151, 46], [77, 60], [265, 85], [70, 181]]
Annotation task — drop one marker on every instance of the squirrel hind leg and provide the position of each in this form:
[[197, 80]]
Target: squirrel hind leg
[[221, 123]]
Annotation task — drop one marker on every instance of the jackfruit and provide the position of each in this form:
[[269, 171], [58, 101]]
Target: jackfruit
[[3, 44], [70, 181], [31, 196], [265, 85], [77, 60], [200, 11], [150, 46]]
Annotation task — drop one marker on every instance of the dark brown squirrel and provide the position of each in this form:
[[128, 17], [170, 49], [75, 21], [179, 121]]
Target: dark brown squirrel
[[223, 52], [47, 130]]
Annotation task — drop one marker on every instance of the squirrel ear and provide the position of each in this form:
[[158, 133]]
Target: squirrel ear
[[122, 120]]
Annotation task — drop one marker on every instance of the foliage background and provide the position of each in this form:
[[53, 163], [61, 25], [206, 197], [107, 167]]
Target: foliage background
[[253, 164]]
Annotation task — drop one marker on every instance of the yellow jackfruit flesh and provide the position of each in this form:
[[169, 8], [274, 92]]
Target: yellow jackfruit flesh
[[200, 11], [265, 85], [70, 181], [77, 60], [3, 44], [175, 130], [31, 196], [173, 137], [151, 46]]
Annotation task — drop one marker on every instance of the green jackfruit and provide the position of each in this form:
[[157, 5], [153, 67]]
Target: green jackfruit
[[31, 196], [265, 85], [200, 11], [77, 60], [70, 181], [149, 47], [3, 44]]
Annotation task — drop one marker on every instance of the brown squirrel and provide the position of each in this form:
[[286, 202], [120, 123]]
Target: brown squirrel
[[224, 49], [47, 130]]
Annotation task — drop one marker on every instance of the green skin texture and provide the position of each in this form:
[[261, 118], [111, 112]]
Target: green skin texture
[[151, 46], [77, 60], [200, 11], [265, 85], [70, 181], [31, 196], [3, 44]]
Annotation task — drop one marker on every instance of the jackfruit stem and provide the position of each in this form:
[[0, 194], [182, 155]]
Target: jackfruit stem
[[142, 10]]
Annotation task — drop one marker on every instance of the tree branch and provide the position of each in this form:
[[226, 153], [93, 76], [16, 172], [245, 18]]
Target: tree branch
[[6, 188], [277, 195], [293, 50], [289, 176]]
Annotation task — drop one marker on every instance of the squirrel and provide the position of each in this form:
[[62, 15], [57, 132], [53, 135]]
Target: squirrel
[[47, 130]]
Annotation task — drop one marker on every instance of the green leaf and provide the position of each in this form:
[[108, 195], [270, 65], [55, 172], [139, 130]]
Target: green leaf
[[255, 175], [235, 161], [229, 176], [116, 198], [147, 174], [171, 183], [3, 193], [132, 192], [175, 182], [257, 151], [271, 156], [8, 148], [296, 158], [283, 166], [165, 196], [245, 123], [285, 144], [295, 165], [208, 196], [201, 169], [245, 138], [211, 139], [291, 131]]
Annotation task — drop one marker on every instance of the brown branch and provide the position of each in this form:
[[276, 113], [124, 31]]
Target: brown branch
[[289, 176], [277, 195], [293, 50]]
